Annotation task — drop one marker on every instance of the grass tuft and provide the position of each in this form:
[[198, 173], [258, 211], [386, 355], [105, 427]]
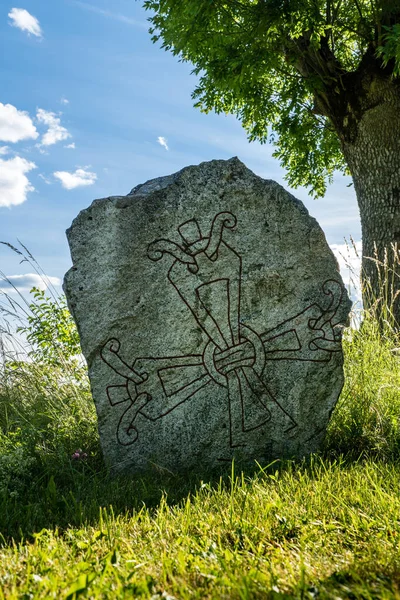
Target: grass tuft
[[366, 421]]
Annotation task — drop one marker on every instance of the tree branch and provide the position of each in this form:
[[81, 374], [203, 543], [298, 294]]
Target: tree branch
[[359, 9]]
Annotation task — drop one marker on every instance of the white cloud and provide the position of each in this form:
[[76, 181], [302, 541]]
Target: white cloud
[[39, 147], [15, 125], [14, 184], [45, 179], [22, 19], [24, 283], [81, 177], [4, 150], [64, 100], [349, 256], [112, 15], [163, 142], [70, 146], [56, 132]]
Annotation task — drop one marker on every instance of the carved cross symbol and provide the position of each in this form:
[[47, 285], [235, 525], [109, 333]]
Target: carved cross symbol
[[206, 273]]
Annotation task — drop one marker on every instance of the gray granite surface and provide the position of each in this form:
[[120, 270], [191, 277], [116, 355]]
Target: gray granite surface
[[210, 310]]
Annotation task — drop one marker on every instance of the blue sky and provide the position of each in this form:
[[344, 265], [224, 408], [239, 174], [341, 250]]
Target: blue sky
[[89, 108]]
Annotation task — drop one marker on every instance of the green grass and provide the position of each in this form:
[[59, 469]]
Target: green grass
[[326, 527], [317, 530], [366, 420]]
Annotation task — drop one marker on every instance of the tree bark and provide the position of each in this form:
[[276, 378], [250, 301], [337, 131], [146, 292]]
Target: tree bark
[[373, 157]]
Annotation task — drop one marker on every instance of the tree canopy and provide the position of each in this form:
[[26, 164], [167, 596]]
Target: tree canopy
[[293, 71]]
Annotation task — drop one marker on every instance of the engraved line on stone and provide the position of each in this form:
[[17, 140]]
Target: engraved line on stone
[[221, 220], [157, 249], [109, 353], [225, 367]]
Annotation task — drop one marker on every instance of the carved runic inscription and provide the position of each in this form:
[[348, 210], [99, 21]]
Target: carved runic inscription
[[206, 274]]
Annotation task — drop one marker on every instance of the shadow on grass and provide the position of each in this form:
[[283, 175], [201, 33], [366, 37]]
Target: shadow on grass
[[74, 497], [360, 581]]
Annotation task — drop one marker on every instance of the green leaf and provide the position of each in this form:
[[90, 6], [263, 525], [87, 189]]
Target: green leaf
[[79, 586], [268, 62], [51, 330]]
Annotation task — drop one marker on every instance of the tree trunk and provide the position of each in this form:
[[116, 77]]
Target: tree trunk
[[373, 158]]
